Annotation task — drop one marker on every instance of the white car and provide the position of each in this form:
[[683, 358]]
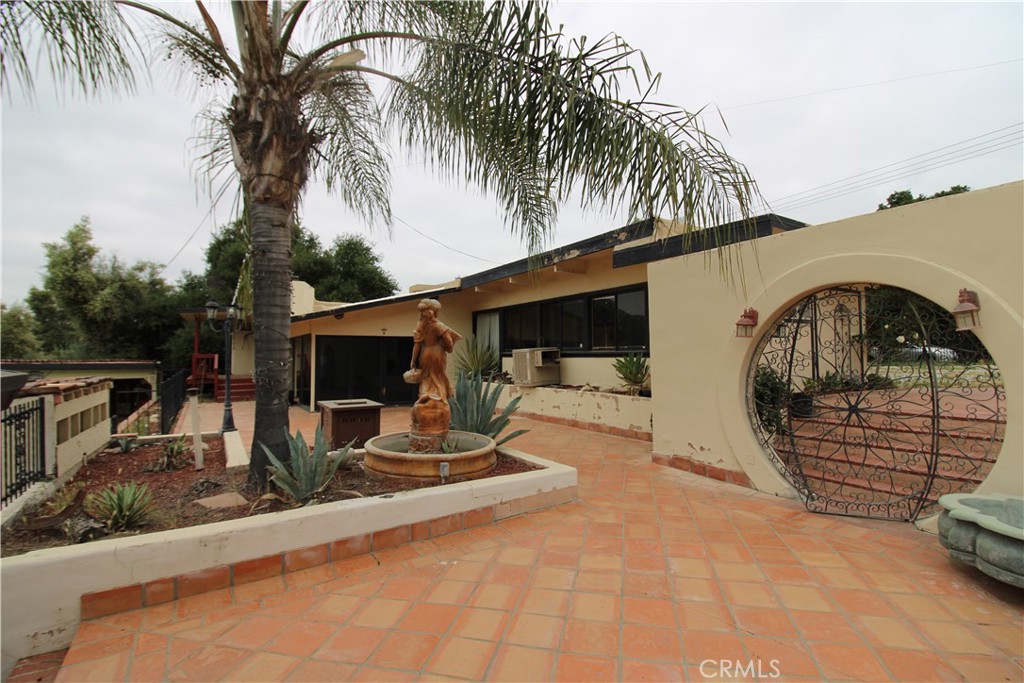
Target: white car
[[913, 352]]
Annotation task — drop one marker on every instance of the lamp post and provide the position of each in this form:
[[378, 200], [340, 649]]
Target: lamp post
[[212, 308]]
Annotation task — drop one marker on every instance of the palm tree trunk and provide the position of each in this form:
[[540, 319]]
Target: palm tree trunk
[[271, 284]]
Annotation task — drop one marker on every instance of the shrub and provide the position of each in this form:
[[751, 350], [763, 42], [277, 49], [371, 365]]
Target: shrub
[[306, 473], [174, 456], [634, 372], [126, 444], [122, 506], [476, 357], [771, 394], [473, 408]]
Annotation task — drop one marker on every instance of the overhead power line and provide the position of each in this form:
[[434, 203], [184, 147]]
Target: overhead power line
[[870, 85], [982, 145], [187, 241], [437, 241], [1014, 127]]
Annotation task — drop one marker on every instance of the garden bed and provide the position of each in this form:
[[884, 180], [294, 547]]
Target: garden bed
[[176, 492]]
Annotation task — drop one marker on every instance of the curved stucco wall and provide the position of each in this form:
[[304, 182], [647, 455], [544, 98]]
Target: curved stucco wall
[[933, 248]]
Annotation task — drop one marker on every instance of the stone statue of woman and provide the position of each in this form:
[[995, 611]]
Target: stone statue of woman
[[432, 342]]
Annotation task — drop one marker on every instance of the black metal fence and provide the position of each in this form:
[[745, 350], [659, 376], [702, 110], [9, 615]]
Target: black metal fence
[[24, 449], [172, 397]]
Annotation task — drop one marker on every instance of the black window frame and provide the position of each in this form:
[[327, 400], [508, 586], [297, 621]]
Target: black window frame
[[584, 336]]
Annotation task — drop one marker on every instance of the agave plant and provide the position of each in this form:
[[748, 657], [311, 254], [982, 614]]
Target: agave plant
[[473, 408], [122, 506], [306, 473], [475, 356], [634, 372]]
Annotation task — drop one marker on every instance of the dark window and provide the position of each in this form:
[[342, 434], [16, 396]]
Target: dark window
[[615, 321], [632, 323], [602, 325], [376, 375], [574, 324], [520, 328], [551, 324]]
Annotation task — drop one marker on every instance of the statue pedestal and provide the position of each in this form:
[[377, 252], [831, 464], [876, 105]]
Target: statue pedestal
[[430, 419]]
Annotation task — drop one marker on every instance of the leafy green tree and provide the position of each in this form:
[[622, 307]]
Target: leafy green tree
[[56, 331], [17, 333], [225, 256], [349, 271], [904, 197], [105, 308], [492, 93]]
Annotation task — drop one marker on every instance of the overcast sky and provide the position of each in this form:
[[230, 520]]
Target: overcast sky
[[941, 104]]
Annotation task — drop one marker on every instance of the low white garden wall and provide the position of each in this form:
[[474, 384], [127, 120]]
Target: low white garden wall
[[618, 414]]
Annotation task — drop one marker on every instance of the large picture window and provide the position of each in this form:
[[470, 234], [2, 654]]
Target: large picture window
[[601, 322]]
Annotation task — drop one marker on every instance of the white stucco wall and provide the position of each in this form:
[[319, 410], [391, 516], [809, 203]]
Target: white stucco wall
[[82, 420], [934, 248]]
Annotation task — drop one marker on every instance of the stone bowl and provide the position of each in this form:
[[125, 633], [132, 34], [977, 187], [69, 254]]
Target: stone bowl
[[986, 531], [388, 454]]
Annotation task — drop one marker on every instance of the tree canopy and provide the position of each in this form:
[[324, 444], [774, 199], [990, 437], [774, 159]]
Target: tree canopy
[[348, 271], [94, 306], [904, 197], [18, 339]]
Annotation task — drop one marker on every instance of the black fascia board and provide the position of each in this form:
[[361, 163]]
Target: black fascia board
[[591, 245], [374, 303], [703, 240]]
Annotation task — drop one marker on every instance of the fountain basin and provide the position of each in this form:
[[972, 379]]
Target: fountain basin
[[389, 454]]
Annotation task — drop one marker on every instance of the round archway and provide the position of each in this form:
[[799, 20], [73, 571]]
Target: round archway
[[870, 403]]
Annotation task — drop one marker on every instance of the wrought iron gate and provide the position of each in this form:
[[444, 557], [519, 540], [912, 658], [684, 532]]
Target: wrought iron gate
[[24, 455], [870, 404]]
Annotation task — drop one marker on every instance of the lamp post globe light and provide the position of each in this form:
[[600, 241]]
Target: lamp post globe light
[[231, 312]]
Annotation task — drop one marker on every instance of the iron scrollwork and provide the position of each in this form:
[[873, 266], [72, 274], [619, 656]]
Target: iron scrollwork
[[870, 404]]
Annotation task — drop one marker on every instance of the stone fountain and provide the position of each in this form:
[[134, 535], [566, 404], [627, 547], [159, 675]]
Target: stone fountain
[[429, 450]]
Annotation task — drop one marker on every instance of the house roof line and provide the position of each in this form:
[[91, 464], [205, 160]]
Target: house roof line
[[641, 233], [590, 245], [373, 303], [703, 240]]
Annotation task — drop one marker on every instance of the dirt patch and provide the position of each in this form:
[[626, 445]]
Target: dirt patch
[[176, 491]]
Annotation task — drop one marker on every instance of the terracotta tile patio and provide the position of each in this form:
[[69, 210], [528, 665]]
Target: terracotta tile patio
[[654, 575]]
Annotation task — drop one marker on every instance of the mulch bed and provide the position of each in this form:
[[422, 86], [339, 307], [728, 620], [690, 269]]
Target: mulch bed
[[176, 491]]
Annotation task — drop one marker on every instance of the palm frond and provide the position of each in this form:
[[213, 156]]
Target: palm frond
[[351, 155], [88, 45], [349, 18], [512, 107]]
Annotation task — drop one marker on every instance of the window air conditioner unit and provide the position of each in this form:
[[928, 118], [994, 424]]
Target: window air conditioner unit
[[536, 367]]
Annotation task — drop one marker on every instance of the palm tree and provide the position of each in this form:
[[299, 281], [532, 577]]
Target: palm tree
[[490, 92]]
